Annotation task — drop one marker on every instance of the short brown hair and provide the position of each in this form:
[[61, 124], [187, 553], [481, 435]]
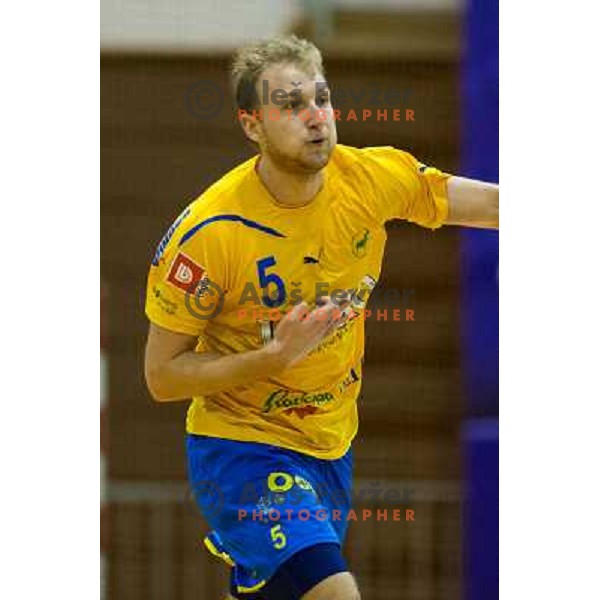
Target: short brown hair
[[252, 60]]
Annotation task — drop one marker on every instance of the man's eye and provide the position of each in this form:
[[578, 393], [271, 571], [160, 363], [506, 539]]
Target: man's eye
[[323, 100], [292, 105]]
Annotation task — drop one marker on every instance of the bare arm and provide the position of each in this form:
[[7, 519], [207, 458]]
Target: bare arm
[[472, 203], [174, 371]]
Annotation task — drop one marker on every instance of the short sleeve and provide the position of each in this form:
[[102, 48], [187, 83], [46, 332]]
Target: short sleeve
[[403, 188], [185, 278]]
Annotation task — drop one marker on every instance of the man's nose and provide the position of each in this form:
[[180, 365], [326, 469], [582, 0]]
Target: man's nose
[[316, 115]]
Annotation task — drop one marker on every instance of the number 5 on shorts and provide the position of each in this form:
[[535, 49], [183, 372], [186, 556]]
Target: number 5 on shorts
[[278, 537]]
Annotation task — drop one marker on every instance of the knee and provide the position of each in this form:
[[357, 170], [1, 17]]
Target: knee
[[349, 591], [353, 594], [340, 586]]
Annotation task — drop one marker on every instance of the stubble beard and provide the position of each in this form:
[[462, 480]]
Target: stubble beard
[[308, 163]]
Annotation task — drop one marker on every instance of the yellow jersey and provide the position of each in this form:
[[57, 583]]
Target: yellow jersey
[[235, 260]]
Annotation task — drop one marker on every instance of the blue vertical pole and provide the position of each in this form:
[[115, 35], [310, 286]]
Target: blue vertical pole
[[479, 314]]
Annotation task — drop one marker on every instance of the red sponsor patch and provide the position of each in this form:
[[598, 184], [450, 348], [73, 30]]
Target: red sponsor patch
[[301, 411], [185, 273]]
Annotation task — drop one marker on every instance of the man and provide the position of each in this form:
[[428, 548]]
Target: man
[[245, 320]]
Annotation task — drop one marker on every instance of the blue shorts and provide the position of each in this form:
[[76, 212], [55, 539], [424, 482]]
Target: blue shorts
[[266, 503]]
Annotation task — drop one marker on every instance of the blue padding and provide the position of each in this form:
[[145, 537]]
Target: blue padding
[[481, 509], [299, 574]]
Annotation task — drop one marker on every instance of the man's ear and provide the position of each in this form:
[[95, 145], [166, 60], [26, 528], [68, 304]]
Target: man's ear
[[251, 127]]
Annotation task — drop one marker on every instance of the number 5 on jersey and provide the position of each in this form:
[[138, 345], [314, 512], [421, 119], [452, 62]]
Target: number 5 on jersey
[[265, 279]]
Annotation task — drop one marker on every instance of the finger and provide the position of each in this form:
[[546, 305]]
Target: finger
[[325, 320], [318, 315], [326, 315], [339, 316], [335, 311], [342, 300], [322, 301], [299, 312], [331, 327]]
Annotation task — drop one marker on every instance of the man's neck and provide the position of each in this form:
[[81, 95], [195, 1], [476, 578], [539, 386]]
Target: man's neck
[[289, 189]]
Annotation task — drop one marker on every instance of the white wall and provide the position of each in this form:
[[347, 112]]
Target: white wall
[[190, 24], [398, 5], [218, 24]]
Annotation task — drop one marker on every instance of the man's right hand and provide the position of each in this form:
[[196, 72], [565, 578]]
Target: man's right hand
[[302, 330], [175, 371]]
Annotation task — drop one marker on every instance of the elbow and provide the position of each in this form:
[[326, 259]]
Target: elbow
[[155, 392], [155, 385], [161, 388]]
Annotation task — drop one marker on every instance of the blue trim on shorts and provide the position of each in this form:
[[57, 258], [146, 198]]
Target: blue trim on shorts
[[299, 574]]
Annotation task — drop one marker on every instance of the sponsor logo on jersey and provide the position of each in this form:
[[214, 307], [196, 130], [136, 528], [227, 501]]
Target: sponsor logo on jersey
[[301, 411], [359, 243], [350, 379], [160, 250], [311, 260], [301, 404], [185, 274], [163, 302]]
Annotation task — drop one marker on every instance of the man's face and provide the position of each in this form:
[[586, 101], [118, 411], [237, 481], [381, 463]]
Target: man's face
[[297, 131]]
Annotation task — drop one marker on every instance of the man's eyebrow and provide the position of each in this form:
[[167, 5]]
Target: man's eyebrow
[[319, 87]]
